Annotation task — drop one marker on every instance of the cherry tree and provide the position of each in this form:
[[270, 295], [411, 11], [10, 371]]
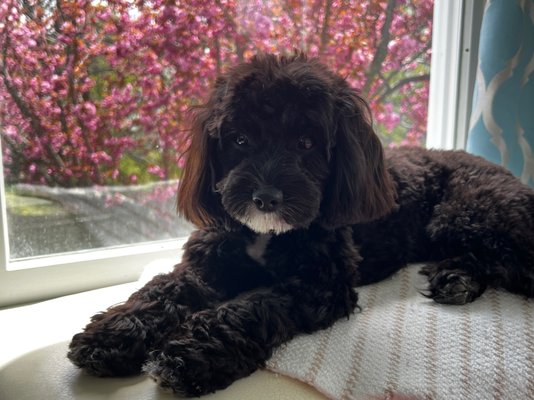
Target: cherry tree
[[97, 91]]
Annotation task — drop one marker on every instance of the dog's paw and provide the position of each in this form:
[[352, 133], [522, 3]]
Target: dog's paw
[[170, 373], [456, 287], [187, 368], [110, 346]]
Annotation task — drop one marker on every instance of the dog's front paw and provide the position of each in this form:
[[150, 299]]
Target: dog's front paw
[[111, 345], [188, 368], [171, 372]]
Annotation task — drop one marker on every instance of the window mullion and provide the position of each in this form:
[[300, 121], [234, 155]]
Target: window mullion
[[456, 28]]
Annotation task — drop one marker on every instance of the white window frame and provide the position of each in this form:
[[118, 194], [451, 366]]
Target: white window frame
[[455, 38], [456, 26]]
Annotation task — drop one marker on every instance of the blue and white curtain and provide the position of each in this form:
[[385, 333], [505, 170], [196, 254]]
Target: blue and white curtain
[[502, 120]]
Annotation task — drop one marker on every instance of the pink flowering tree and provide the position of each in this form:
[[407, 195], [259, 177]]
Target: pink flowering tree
[[97, 92]]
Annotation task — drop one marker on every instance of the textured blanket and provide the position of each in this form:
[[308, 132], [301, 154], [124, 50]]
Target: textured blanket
[[403, 343]]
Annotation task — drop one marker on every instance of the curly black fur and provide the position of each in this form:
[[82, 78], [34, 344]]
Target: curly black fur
[[297, 203]]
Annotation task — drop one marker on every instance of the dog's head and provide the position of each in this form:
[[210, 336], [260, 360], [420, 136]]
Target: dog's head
[[283, 142]]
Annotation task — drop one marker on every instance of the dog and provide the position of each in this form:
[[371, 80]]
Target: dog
[[297, 203]]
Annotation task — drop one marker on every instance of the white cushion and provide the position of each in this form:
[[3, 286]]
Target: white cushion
[[407, 344]]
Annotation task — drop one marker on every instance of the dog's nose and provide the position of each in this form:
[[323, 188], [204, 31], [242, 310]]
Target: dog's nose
[[267, 199]]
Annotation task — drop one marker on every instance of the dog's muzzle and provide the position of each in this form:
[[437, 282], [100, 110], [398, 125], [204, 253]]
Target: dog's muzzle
[[270, 194]]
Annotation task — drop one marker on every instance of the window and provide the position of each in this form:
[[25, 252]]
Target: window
[[93, 109]]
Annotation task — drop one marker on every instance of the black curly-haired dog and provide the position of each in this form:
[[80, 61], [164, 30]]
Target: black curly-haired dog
[[297, 204]]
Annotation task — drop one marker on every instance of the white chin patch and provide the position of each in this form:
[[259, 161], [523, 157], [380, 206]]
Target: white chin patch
[[261, 222]]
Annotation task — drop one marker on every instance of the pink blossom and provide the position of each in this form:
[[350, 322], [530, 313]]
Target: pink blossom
[[156, 170], [10, 131], [99, 157]]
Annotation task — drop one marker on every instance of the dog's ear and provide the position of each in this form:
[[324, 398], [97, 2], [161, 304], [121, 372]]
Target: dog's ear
[[197, 199], [359, 188]]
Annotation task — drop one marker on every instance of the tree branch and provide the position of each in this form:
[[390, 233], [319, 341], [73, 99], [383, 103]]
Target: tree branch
[[326, 26], [13, 92], [382, 48], [239, 50], [24, 108], [20, 155], [402, 82], [288, 8]]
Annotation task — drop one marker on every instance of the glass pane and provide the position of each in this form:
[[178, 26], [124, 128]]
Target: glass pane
[[94, 97]]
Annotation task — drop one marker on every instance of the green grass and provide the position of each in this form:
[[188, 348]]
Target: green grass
[[28, 206]]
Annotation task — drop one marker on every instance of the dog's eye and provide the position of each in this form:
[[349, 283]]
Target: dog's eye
[[305, 143], [241, 140]]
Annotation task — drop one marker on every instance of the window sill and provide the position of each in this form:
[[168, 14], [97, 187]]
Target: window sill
[[59, 319], [38, 279]]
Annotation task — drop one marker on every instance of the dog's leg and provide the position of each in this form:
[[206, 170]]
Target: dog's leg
[[462, 279], [218, 346], [117, 341], [481, 237]]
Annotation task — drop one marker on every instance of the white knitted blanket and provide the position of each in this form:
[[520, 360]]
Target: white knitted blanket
[[403, 343]]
